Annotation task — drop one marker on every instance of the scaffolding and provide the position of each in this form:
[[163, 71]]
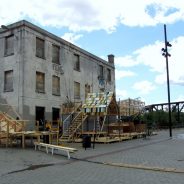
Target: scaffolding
[[130, 107]]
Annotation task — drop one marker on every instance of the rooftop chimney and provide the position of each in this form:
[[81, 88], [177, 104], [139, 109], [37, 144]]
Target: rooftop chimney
[[111, 58]]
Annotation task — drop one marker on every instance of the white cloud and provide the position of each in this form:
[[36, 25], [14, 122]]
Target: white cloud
[[144, 87], [119, 74], [175, 63], [126, 61], [72, 37], [121, 94], [92, 15], [151, 56], [179, 98]]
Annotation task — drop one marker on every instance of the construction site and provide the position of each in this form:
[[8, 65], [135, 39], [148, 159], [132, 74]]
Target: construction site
[[98, 119]]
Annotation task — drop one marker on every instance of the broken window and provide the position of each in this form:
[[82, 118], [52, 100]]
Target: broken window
[[40, 47], [108, 75], [9, 45], [55, 54], [76, 62], [55, 85], [40, 82], [8, 81], [76, 90]]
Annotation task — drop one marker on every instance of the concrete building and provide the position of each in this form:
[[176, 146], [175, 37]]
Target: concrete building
[[40, 71]]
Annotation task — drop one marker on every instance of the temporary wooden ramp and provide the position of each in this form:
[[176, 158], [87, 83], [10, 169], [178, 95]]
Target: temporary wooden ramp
[[9, 125]]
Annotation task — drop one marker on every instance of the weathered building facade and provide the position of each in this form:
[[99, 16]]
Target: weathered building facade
[[40, 71]]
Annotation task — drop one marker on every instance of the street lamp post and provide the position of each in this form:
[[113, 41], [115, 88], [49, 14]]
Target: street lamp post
[[166, 55]]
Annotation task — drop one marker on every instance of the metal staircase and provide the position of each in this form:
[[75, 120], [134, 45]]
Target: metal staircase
[[74, 127]]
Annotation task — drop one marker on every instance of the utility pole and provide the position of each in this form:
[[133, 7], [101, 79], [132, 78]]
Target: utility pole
[[166, 55]]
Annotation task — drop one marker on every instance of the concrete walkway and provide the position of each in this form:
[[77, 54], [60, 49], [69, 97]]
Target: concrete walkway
[[156, 160]]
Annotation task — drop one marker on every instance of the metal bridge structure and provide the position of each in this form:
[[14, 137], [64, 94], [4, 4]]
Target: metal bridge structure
[[177, 107]]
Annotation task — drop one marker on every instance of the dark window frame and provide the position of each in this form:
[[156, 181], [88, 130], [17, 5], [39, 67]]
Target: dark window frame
[[8, 50], [101, 71], [56, 90], [109, 77], [76, 90], [8, 83], [56, 54], [87, 89], [77, 62], [40, 48], [39, 82]]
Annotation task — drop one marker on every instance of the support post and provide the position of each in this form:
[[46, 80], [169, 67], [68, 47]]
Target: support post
[[166, 54]]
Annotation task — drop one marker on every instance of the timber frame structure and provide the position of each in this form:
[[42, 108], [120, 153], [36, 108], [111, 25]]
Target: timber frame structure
[[98, 106]]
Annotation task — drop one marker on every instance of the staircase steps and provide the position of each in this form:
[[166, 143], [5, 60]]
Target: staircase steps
[[75, 125]]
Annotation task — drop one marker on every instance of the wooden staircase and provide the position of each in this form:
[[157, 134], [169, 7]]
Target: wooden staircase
[[74, 127]]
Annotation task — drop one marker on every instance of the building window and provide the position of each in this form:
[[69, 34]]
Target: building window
[[76, 62], [101, 72], [76, 90], [55, 54], [55, 85], [40, 82], [108, 75], [55, 116], [87, 89], [9, 45], [40, 47], [8, 81]]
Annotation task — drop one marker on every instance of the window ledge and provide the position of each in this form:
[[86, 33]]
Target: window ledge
[[41, 92], [56, 63], [40, 57], [8, 90], [78, 70], [6, 55], [56, 94]]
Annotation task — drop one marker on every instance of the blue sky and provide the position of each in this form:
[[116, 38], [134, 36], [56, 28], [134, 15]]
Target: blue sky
[[132, 30]]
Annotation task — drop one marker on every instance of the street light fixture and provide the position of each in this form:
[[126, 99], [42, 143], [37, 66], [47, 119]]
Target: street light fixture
[[166, 55]]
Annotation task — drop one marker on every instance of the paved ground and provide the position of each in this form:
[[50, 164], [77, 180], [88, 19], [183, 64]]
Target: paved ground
[[93, 166]]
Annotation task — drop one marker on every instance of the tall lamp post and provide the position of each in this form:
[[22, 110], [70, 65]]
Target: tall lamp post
[[166, 55]]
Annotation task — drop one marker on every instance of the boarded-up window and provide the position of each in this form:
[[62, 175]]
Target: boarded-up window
[[87, 90], [76, 62], [101, 71], [55, 85], [108, 75], [8, 81], [9, 45], [76, 90], [55, 54], [40, 47], [40, 82]]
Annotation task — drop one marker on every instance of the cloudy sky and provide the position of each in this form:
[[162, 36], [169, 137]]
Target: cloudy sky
[[132, 30]]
